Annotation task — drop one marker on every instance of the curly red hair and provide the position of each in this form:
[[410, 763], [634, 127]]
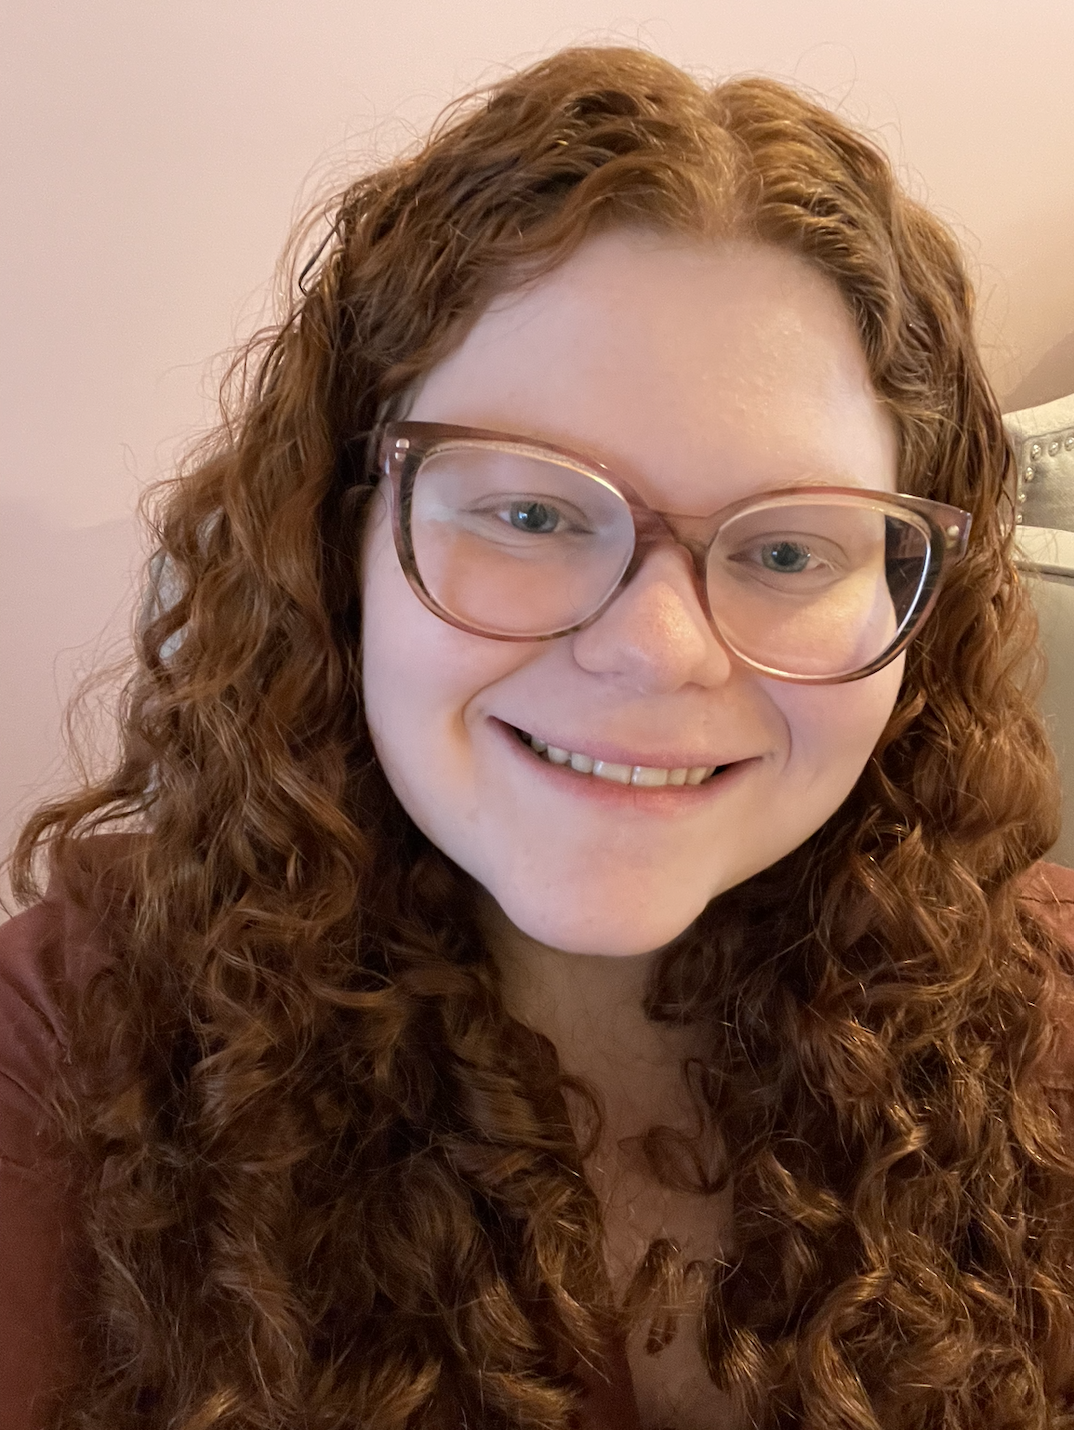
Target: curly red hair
[[342, 1185]]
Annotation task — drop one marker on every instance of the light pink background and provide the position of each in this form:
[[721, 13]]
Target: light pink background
[[155, 151]]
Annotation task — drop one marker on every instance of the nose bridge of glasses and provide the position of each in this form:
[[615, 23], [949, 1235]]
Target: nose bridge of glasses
[[654, 530]]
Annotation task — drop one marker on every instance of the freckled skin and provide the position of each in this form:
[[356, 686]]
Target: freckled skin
[[700, 374]]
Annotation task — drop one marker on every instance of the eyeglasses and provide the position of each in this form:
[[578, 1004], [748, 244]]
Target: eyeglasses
[[518, 540]]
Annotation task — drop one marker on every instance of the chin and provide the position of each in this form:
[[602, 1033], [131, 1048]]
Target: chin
[[612, 932], [624, 913]]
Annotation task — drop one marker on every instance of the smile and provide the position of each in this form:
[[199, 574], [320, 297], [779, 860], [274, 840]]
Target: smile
[[644, 776]]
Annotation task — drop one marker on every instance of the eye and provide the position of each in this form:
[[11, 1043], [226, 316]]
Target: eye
[[533, 516], [786, 557]]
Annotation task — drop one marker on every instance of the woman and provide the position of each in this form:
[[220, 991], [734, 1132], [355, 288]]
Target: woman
[[571, 958]]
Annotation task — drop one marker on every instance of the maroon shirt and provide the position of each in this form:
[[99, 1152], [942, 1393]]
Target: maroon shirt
[[53, 948]]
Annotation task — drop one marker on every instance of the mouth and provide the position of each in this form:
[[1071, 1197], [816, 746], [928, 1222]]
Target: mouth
[[640, 776]]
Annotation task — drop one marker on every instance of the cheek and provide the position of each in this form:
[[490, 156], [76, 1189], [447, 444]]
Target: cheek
[[420, 679], [398, 658], [384, 675], [833, 729], [405, 672]]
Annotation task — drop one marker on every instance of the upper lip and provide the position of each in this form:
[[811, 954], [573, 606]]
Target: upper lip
[[666, 758]]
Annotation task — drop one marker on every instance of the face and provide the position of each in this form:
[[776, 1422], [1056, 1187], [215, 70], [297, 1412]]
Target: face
[[699, 374]]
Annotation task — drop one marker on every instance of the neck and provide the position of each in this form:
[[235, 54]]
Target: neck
[[590, 1006]]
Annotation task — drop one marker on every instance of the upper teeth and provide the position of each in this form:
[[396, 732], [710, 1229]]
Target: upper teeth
[[647, 775]]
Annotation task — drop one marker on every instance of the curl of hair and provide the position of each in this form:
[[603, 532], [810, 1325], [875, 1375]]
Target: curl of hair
[[334, 1184]]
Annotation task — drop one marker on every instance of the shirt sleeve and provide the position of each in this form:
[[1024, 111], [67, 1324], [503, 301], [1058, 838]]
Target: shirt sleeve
[[39, 1211], [1048, 892]]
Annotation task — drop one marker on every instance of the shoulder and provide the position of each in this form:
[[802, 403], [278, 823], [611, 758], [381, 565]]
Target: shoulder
[[1048, 892], [1048, 889], [48, 954]]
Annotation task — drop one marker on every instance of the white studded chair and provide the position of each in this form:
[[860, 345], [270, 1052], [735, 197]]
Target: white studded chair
[[1043, 440]]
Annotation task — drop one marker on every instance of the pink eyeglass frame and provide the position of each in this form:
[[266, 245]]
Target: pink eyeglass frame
[[400, 448]]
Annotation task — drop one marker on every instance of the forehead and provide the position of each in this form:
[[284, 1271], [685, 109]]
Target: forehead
[[699, 372]]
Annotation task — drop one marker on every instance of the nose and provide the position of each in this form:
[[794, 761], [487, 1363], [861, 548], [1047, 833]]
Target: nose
[[655, 635]]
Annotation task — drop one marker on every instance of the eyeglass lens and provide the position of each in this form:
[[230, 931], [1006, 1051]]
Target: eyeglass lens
[[516, 544]]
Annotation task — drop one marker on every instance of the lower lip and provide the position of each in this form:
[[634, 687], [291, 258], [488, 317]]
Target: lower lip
[[656, 799]]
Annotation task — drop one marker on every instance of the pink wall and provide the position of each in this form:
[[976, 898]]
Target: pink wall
[[154, 153]]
